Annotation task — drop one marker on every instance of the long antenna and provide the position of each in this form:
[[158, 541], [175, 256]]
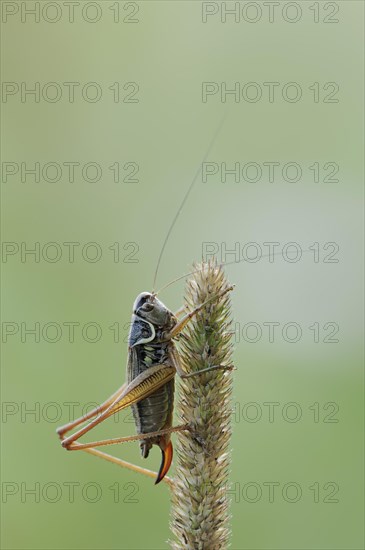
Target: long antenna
[[222, 264], [186, 197]]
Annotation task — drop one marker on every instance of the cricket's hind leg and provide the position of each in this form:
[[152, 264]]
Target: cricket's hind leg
[[62, 430], [164, 444], [141, 387], [167, 455]]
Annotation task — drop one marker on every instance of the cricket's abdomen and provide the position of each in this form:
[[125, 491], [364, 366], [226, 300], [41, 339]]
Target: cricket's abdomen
[[153, 413]]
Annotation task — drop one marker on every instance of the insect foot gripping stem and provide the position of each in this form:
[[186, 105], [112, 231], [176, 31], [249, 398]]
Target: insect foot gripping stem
[[200, 514]]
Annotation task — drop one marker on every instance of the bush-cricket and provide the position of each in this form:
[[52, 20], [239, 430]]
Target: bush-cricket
[[153, 361]]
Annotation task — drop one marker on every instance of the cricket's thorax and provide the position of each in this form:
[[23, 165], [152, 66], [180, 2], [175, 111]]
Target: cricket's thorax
[[153, 413], [151, 354]]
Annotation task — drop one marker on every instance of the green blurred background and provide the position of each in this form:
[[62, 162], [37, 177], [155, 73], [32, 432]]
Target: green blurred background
[[169, 52]]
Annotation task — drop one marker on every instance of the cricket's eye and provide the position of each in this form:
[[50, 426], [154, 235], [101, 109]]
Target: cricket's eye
[[147, 307]]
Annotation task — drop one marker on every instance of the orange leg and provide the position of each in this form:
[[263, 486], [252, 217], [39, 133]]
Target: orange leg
[[74, 446], [142, 386], [94, 412], [128, 465], [184, 321]]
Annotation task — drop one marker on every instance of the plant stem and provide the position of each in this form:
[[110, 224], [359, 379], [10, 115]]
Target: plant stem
[[200, 506]]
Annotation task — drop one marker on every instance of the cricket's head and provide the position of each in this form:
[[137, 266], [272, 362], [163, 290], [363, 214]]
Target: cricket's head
[[148, 307]]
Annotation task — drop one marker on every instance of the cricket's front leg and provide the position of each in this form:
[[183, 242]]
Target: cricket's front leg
[[175, 360], [184, 321]]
